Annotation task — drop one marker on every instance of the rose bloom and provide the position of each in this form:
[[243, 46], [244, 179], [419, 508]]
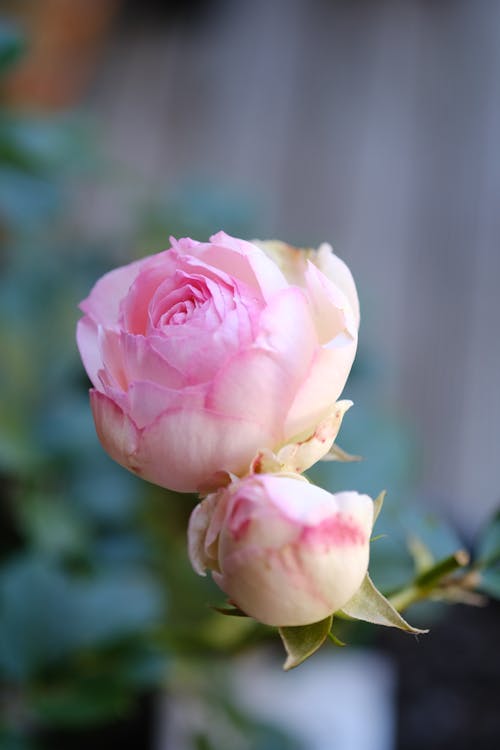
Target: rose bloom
[[285, 552], [207, 352]]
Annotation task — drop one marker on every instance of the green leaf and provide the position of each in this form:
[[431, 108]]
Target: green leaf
[[370, 605], [11, 44], [230, 611], [488, 558], [87, 701], [10, 739], [48, 614], [336, 641], [303, 641], [377, 505], [421, 554], [489, 582], [489, 545]]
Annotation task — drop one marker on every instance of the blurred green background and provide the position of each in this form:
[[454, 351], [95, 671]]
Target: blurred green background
[[99, 608]]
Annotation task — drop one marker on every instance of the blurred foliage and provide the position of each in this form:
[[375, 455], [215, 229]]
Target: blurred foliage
[[488, 558], [77, 628], [11, 45], [96, 594], [98, 602]]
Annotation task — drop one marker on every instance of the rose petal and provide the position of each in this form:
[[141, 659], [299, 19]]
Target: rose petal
[[290, 553], [128, 358], [257, 398], [147, 401], [332, 310], [87, 342], [197, 529], [291, 260], [260, 384], [183, 448], [204, 527], [196, 353], [117, 433], [103, 302], [321, 389], [299, 456], [337, 271], [135, 307], [243, 261]]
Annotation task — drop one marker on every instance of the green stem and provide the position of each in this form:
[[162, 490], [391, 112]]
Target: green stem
[[443, 568], [424, 583]]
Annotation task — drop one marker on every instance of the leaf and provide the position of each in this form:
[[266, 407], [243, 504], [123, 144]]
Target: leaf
[[11, 44], [230, 611], [85, 702], [489, 545], [303, 641], [489, 582], [421, 554], [377, 505], [335, 640], [48, 614], [370, 605], [488, 558]]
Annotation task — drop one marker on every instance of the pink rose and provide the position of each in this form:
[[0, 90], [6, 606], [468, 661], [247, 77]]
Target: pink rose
[[206, 353], [285, 552]]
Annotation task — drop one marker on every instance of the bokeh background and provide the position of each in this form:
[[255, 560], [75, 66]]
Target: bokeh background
[[372, 124]]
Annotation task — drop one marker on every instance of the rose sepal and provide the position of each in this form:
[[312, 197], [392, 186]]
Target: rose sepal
[[304, 450], [370, 605], [303, 641]]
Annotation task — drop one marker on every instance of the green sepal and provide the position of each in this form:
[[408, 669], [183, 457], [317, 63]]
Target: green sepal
[[377, 505], [335, 640], [230, 611], [423, 558], [370, 605], [302, 641]]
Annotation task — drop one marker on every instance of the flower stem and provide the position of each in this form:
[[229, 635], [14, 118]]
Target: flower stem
[[423, 584]]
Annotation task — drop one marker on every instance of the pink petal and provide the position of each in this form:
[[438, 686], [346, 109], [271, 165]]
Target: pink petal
[[128, 358], [332, 310], [195, 353], [337, 271], [117, 433], [321, 389], [252, 387], [286, 327], [87, 341], [243, 261], [135, 306], [259, 384], [204, 527], [184, 448], [299, 456], [103, 302], [197, 531], [147, 401]]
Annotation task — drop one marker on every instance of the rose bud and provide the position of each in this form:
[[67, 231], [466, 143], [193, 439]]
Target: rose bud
[[206, 353], [284, 551]]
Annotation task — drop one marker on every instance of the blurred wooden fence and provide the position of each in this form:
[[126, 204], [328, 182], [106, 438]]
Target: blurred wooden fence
[[375, 125]]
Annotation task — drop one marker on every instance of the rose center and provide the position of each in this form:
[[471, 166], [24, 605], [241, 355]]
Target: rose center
[[179, 313], [178, 306]]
